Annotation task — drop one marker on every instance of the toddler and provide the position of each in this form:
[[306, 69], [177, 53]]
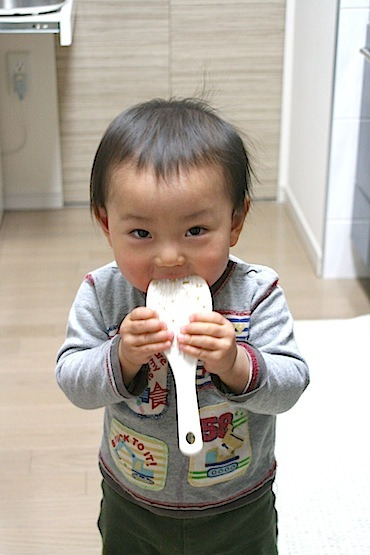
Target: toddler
[[170, 188]]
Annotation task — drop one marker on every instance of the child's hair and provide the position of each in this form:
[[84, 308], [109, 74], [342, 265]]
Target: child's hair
[[169, 136]]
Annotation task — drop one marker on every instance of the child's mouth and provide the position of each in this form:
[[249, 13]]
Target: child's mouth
[[171, 275]]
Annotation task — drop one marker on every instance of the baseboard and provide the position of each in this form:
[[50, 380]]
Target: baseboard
[[33, 201], [312, 248]]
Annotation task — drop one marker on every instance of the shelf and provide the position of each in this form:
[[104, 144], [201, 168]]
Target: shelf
[[60, 21]]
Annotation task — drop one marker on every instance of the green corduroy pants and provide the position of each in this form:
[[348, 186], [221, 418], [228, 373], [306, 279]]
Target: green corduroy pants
[[129, 529]]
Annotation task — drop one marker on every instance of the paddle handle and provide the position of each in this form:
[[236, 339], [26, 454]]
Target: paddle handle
[[188, 423]]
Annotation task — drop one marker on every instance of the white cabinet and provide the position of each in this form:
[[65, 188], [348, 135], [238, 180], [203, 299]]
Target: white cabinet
[[361, 203], [1, 194], [30, 148], [321, 126], [29, 129]]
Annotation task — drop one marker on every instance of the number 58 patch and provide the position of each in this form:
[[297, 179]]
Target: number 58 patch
[[226, 451]]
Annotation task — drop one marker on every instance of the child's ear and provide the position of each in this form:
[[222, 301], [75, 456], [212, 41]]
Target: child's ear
[[102, 218], [237, 222]]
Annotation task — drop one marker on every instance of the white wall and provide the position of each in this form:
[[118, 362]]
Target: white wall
[[340, 259], [32, 177], [306, 117]]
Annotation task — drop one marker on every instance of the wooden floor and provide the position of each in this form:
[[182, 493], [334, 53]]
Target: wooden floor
[[49, 481]]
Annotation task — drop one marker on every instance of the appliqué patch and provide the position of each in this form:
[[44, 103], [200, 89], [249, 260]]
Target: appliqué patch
[[154, 398], [240, 321], [226, 452], [203, 379], [141, 459]]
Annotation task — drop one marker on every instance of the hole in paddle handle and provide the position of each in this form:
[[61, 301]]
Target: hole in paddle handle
[[190, 438]]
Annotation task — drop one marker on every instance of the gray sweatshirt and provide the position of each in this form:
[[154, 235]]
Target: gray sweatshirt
[[139, 455]]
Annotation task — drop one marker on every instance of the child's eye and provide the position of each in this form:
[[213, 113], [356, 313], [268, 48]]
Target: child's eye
[[140, 233], [194, 231]]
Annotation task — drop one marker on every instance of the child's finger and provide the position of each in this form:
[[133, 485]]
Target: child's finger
[[214, 317], [143, 313], [149, 349], [156, 338], [152, 325], [203, 328], [204, 342], [142, 320]]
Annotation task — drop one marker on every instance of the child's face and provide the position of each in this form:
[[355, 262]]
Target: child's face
[[162, 230]]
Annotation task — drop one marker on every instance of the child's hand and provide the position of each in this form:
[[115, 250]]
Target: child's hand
[[211, 337], [142, 336]]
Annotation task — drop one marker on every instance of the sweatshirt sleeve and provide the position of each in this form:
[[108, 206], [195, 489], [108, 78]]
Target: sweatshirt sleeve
[[280, 374], [88, 368]]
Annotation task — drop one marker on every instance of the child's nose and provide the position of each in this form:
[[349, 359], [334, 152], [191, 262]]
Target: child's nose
[[169, 256]]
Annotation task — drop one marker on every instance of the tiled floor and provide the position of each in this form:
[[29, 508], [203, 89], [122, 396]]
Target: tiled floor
[[49, 482]]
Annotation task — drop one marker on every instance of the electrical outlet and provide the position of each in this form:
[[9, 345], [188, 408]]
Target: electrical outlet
[[18, 68]]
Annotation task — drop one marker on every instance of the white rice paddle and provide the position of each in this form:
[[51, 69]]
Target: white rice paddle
[[175, 300]]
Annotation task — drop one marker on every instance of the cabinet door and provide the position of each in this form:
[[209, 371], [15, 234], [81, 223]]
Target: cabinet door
[[361, 206], [1, 192]]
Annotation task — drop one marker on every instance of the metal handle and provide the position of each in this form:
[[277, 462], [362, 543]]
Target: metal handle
[[365, 52]]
